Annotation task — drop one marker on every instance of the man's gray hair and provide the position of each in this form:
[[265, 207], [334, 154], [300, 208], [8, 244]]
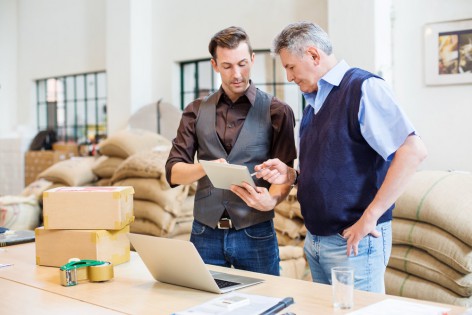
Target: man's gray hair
[[296, 37]]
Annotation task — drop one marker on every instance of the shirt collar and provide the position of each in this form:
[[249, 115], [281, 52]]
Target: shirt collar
[[250, 93], [332, 77], [336, 74]]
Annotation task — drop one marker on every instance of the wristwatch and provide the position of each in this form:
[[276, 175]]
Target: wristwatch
[[295, 182]]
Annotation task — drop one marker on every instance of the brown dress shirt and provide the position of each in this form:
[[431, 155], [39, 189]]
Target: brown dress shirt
[[230, 118]]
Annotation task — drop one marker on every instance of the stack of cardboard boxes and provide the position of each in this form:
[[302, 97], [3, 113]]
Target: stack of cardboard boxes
[[85, 223]]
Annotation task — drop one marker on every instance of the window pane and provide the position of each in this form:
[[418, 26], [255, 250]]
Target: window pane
[[70, 88], [41, 91], [262, 70], [42, 109], [204, 75], [189, 77], [102, 85], [80, 84], [91, 86]]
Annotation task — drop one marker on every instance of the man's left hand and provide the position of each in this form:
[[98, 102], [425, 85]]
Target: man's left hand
[[258, 198], [355, 233]]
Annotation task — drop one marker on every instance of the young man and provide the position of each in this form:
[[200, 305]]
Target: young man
[[238, 124], [357, 153]]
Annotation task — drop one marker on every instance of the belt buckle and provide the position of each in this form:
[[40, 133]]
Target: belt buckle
[[225, 224]]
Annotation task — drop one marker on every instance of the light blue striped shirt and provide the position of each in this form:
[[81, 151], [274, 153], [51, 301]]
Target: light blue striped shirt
[[383, 124]]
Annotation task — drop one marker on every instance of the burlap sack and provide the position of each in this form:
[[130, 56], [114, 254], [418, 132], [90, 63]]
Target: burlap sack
[[150, 189], [440, 198], [293, 268], [144, 226], [125, 143], [285, 240], [291, 227], [74, 172], [438, 243], [290, 252], [406, 285], [187, 205], [105, 166], [296, 210], [37, 188], [153, 212], [103, 182], [419, 263], [182, 237], [146, 164], [284, 209], [19, 213], [182, 225]]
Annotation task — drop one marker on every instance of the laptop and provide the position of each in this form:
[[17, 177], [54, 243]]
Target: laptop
[[178, 262]]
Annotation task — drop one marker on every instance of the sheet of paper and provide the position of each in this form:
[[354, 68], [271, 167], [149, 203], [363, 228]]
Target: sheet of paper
[[395, 307], [257, 305]]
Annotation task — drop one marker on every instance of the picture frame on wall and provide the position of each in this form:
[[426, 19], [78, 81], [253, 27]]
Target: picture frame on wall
[[448, 52]]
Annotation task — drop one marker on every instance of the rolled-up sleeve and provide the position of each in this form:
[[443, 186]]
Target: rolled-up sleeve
[[185, 143], [383, 123]]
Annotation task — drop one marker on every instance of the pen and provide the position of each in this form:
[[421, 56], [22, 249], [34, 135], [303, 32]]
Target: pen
[[252, 174], [279, 306]]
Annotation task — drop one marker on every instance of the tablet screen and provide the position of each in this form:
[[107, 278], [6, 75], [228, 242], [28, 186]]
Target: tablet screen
[[223, 175]]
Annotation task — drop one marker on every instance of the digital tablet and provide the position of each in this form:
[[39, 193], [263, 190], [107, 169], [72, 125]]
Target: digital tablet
[[223, 175]]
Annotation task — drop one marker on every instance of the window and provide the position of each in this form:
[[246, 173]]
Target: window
[[74, 106], [198, 79]]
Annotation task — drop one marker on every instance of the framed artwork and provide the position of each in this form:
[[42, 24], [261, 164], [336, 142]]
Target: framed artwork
[[448, 52]]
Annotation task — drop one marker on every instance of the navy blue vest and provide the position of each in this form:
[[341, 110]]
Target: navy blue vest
[[339, 172]]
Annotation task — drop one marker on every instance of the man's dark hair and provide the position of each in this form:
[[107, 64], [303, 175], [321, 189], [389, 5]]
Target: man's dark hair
[[229, 38]]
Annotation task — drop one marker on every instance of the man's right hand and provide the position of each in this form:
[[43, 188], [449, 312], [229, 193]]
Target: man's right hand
[[275, 172]]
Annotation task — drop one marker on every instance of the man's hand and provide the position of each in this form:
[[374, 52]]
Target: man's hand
[[258, 198], [356, 232], [275, 172]]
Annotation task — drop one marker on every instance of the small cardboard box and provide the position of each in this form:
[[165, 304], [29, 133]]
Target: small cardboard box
[[38, 161], [55, 247], [88, 208]]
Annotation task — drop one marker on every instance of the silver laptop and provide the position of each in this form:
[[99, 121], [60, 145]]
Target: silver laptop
[[178, 262]]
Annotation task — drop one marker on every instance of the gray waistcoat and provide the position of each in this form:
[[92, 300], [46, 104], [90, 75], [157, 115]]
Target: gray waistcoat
[[251, 148]]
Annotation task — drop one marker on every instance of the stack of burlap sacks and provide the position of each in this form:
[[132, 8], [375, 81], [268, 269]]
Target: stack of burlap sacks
[[291, 232], [432, 240], [137, 158]]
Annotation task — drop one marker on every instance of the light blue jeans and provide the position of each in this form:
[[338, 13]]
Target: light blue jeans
[[325, 252]]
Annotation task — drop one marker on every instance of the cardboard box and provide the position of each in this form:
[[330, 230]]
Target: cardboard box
[[55, 247], [38, 161], [88, 208]]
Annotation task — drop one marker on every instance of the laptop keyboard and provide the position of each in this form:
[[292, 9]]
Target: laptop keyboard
[[224, 284]]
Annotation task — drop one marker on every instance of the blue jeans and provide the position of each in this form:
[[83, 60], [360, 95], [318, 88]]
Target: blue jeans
[[325, 252], [254, 248]]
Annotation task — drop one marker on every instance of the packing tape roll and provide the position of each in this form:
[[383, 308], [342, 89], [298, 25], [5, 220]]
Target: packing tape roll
[[77, 270], [100, 273]]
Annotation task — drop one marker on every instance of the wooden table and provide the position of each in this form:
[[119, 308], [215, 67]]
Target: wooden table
[[36, 289]]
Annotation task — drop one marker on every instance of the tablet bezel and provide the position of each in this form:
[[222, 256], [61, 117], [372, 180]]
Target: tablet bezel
[[223, 175]]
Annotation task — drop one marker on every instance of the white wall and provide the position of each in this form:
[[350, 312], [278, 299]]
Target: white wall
[[185, 33], [56, 37], [8, 66], [442, 114]]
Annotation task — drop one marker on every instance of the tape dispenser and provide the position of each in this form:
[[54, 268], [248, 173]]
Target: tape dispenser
[[93, 270]]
